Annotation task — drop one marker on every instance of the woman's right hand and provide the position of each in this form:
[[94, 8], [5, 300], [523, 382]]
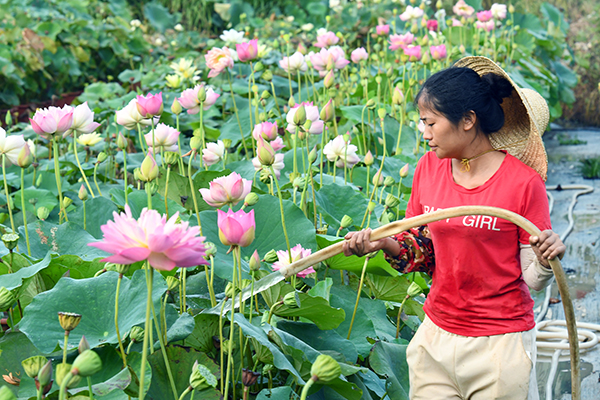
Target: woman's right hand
[[359, 243]]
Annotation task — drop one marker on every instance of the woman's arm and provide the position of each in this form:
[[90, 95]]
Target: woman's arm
[[534, 258]]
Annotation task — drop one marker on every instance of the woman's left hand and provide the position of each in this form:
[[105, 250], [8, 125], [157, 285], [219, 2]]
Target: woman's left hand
[[547, 246]]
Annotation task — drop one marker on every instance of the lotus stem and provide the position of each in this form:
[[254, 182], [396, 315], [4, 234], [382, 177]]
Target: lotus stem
[[121, 348], [141, 137], [95, 180], [57, 174], [287, 239], [193, 190], [24, 211], [306, 388], [124, 174], [185, 392], [399, 313], [163, 350], [8, 200], [360, 285], [79, 165], [236, 113], [147, 327]]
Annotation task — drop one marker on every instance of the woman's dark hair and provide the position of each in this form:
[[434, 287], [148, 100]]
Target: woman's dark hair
[[455, 91]]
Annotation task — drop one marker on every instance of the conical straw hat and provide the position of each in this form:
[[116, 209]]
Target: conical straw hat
[[526, 117]]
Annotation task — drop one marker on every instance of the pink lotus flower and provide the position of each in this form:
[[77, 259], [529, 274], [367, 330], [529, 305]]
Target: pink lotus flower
[[312, 113], [213, 153], [277, 144], [268, 130], [247, 51], [278, 165], [236, 228], [438, 52], [414, 52], [411, 13], [189, 99], [359, 55], [165, 244], [382, 29], [293, 63], [462, 9], [488, 26], [498, 11], [129, 116], [150, 105], [456, 22], [341, 152], [401, 41], [217, 60], [432, 25], [484, 16], [230, 189], [52, 121], [11, 146], [83, 120], [297, 253], [164, 136], [326, 40], [327, 59]]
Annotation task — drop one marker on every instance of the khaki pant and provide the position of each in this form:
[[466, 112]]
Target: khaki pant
[[444, 366]]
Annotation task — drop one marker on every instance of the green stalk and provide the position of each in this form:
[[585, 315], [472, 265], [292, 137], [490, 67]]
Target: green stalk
[[117, 321], [63, 387], [185, 392], [147, 326], [360, 285], [141, 137], [84, 216], [167, 190], [299, 86], [40, 391], [163, 315], [237, 253], [79, 165], [287, 240], [362, 127], [306, 388], [24, 212], [231, 333], [398, 319], [211, 291], [400, 131], [184, 287], [89, 381], [221, 345], [275, 98], [194, 191], [57, 174], [236, 114], [321, 157], [65, 347], [202, 136], [95, 180], [124, 173], [8, 202], [294, 145], [249, 99], [163, 350]]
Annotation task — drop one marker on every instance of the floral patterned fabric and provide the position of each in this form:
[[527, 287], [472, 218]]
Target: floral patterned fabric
[[416, 252]]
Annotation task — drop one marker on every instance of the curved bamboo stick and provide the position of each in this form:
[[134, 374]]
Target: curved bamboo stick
[[400, 226]]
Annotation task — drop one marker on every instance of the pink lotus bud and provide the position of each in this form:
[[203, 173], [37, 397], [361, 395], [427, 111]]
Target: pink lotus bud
[[397, 96], [369, 159], [150, 105], [230, 189], [254, 261], [382, 29], [148, 169], [236, 228], [268, 130], [484, 16], [25, 157], [300, 115], [266, 154], [432, 25], [247, 51], [404, 171], [358, 55], [327, 111], [438, 52], [329, 79]]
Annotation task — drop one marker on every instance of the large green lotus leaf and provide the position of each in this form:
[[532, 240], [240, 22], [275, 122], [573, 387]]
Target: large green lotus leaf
[[94, 299], [316, 309], [97, 212], [269, 232], [373, 382], [14, 348], [376, 265], [336, 200], [388, 288], [321, 340], [322, 289], [67, 238], [280, 360], [181, 360], [206, 326], [138, 200], [45, 198], [277, 393], [389, 360], [14, 280]]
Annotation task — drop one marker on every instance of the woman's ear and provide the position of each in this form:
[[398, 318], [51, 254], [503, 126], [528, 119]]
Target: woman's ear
[[469, 120]]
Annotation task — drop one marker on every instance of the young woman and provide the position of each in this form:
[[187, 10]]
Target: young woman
[[478, 337]]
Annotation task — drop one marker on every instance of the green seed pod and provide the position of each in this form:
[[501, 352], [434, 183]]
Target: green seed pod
[[87, 364], [414, 290], [172, 283], [325, 369], [201, 378], [267, 75], [83, 345], [391, 201], [346, 221], [211, 249], [10, 240], [371, 103], [43, 212], [102, 156], [171, 157], [225, 346], [7, 299], [136, 334], [388, 181], [229, 290], [67, 201], [251, 199], [121, 268], [33, 365], [259, 66], [292, 300], [61, 372], [271, 256], [68, 321], [371, 206], [195, 142]]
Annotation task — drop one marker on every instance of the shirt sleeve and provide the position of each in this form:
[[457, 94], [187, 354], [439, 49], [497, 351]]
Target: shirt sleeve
[[535, 207], [414, 204]]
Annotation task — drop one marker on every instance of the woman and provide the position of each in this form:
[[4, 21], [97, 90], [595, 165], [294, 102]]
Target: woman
[[486, 149]]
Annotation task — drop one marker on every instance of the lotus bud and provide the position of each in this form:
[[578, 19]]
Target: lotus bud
[[267, 75], [369, 159], [195, 142], [265, 153], [346, 221], [312, 156], [249, 378], [229, 291], [39, 180], [10, 240], [414, 290], [381, 113], [67, 201], [121, 141], [325, 369], [136, 334], [426, 59], [271, 256], [250, 199], [254, 261], [388, 181], [7, 299], [42, 212], [511, 8], [327, 111], [83, 345], [329, 79], [462, 49], [291, 300], [391, 201], [172, 283], [259, 66], [87, 364], [201, 378], [397, 96], [291, 102], [201, 94], [371, 206], [8, 118], [300, 116], [45, 374], [371, 103], [171, 158], [102, 156], [377, 179], [414, 28], [33, 365], [62, 370], [176, 107], [5, 392], [149, 169], [439, 4], [82, 194], [25, 157]]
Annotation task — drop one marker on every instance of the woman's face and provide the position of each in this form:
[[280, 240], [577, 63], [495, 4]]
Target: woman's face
[[445, 139]]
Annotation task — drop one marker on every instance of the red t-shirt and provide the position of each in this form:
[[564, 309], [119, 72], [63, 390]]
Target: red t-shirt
[[478, 288]]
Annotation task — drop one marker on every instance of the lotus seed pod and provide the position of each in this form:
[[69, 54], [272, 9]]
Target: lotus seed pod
[[171, 158], [83, 345], [172, 283], [381, 113], [42, 212], [136, 334], [388, 181], [254, 261], [267, 368], [82, 194], [267, 75], [176, 107], [265, 94], [325, 369], [67, 201], [211, 249], [45, 374], [371, 206], [195, 142], [371, 103], [87, 364], [68, 321], [201, 94], [201, 378], [391, 201], [414, 290], [136, 174], [291, 300], [346, 221], [61, 372], [229, 291], [10, 240], [122, 268], [225, 346], [299, 182], [102, 156], [151, 187], [7, 299], [5, 392], [265, 176], [249, 377], [33, 365], [271, 256]]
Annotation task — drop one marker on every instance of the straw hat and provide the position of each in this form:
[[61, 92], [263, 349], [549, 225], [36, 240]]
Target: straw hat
[[526, 117]]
